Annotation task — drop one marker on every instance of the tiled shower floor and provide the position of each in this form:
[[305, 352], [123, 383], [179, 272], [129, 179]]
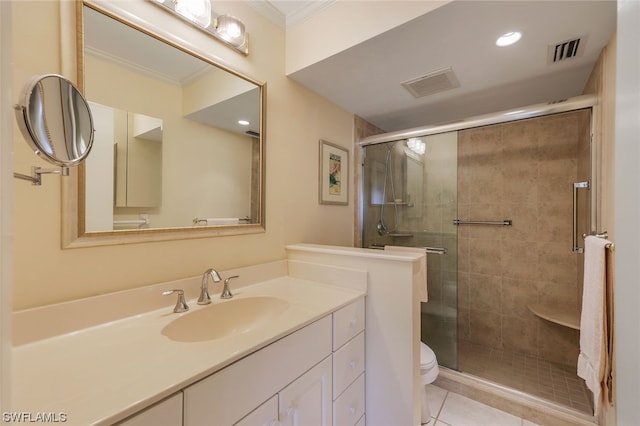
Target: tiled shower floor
[[529, 374]]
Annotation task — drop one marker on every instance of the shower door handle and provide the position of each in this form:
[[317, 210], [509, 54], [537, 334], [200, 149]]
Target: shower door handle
[[577, 185]]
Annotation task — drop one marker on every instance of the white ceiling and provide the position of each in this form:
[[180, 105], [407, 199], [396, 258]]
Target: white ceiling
[[366, 79]]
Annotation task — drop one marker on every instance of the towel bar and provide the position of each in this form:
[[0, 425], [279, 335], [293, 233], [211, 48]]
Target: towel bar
[[603, 234], [429, 250], [506, 222]]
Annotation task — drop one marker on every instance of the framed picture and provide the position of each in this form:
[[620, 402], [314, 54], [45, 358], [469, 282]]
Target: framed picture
[[333, 181]]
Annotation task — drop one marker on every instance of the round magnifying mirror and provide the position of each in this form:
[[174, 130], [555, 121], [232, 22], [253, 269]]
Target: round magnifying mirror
[[56, 120]]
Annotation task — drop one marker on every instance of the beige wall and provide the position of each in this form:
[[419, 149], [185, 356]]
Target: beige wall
[[296, 120], [602, 83], [304, 47]]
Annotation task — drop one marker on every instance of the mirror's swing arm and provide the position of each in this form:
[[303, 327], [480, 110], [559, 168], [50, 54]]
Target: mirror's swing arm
[[37, 172]]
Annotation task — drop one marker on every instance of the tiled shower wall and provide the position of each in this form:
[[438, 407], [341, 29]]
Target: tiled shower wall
[[521, 171]]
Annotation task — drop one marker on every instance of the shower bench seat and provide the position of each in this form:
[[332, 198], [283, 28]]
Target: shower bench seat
[[557, 314]]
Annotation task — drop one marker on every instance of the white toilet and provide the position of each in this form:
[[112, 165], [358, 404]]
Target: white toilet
[[428, 373]]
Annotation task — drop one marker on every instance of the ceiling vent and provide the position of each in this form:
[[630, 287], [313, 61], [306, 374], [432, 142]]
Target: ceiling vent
[[434, 82], [565, 50]]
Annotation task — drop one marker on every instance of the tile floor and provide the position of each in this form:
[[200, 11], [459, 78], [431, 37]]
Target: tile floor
[[530, 374], [450, 409]]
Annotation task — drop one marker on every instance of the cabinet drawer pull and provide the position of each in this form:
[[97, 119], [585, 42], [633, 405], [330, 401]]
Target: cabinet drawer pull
[[353, 322], [352, 410], [353, 364]]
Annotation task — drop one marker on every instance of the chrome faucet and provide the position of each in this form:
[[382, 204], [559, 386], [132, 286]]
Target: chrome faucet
[[181, 304], [204, 298], [226, 293]]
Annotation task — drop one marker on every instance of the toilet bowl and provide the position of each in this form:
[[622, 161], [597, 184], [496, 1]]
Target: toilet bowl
[[428, 373]]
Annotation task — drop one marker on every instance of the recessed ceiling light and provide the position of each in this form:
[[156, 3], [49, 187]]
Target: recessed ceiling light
[[243, 122], [508, 38]]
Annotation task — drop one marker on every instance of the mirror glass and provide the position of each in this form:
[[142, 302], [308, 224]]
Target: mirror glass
[[177, 140], [55, 120]]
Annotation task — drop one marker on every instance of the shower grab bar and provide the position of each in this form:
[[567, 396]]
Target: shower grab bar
[[506, 222], [429, 250], [577, 185]]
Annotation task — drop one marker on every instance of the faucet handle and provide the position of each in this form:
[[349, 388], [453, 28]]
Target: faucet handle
[[181, 304], [226, 293]]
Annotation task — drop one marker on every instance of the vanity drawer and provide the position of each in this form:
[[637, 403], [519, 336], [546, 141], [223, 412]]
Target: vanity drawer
[[348, 364], [347, 322], [349, 407]]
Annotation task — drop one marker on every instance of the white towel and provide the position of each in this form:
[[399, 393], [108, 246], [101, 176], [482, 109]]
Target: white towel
[[223, 221], [591, 361], [422, 272]]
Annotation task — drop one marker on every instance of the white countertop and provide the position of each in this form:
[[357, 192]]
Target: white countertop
[[105, 373]]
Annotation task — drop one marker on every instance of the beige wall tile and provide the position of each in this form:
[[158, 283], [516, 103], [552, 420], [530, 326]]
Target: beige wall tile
[[517, 295], [485, 292], [519, 333], [485, 328], [519, 259], [521, 171], [484, 256]]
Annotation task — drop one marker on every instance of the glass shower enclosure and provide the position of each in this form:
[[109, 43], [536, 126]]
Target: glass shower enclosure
[[410, 194], [500, 208]]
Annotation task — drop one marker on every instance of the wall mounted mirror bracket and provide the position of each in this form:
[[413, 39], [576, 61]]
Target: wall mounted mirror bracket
[[56, 123], [37, 172]]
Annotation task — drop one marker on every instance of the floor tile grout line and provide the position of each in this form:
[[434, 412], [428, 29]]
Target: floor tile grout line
[[444, 400]]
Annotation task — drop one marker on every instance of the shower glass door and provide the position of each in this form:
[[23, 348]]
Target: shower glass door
[[410, 199]]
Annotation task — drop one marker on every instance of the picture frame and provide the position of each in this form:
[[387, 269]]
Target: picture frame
[[333, 179]]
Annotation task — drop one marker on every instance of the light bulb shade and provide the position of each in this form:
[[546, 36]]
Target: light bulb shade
[[197, 11], [231, 29], [417, 146]]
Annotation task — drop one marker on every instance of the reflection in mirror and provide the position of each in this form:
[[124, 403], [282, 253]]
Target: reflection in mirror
[[169, 150]]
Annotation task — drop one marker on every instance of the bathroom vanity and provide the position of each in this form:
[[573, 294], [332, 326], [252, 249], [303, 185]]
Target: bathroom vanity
[[303, 364], [289, 348], [312, 376]]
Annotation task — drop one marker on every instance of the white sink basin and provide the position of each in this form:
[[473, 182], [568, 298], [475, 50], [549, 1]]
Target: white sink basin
[[224, 319]]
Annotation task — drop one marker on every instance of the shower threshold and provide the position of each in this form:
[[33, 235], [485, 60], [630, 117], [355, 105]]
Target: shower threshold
[[521, 404]]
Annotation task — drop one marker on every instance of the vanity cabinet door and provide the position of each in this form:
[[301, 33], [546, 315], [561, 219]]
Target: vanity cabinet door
[[164, 413], [264, 415], [307, 401]]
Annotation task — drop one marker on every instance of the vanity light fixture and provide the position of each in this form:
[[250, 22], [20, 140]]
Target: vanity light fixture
[[243, 122], [225, 28], [508, 39], [231, 29], [197, 11]]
